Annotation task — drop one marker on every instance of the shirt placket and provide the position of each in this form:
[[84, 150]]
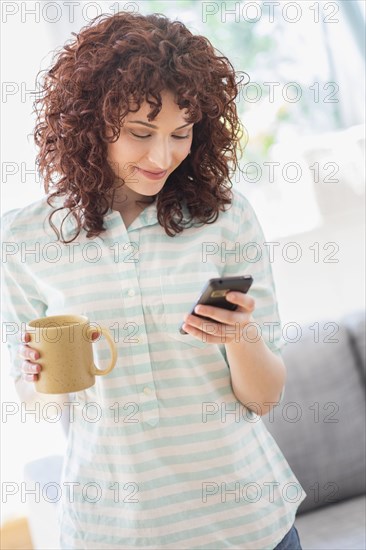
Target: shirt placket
[[132, 304]]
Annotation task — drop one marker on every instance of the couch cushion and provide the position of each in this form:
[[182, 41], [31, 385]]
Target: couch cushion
[[339, 527], [320, 423], [355, 324]]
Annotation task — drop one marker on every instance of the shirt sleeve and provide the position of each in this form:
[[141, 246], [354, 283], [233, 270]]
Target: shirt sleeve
[[21, 301], [249, 255]]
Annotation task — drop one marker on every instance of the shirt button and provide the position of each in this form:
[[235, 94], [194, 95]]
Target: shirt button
[[131, 292], [147, 391]]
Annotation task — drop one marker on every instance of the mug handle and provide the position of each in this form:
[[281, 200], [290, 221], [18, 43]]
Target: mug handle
[[104, 332]]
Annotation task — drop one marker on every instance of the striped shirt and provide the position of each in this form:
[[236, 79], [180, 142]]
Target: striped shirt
[[160, 453]]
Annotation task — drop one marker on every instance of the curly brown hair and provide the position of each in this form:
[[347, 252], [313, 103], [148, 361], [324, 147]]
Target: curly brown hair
[[87, 91]]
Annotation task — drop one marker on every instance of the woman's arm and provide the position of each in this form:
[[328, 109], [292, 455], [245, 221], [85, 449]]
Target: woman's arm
[[257, 374]]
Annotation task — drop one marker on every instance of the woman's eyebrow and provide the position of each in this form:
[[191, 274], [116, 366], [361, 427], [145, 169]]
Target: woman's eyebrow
[[156, 127]]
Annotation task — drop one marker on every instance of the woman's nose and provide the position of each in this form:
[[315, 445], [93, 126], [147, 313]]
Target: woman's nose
[[159, 155]]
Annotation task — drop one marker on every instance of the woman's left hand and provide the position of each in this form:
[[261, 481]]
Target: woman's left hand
[[223, 326]]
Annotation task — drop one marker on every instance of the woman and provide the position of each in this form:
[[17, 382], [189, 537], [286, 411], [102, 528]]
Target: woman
[[136, 131]]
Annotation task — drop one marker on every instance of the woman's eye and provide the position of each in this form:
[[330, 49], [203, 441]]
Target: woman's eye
[[140, 136], [148, 135]]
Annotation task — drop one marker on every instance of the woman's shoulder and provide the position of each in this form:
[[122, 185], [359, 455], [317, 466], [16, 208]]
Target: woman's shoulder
[[240, 210], [26, 218], [240, 201]]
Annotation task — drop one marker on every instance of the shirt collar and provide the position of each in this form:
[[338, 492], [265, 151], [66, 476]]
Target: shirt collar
[[147, 217]]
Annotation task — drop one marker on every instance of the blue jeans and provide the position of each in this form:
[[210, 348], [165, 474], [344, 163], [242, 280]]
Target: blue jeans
[[290, 541]]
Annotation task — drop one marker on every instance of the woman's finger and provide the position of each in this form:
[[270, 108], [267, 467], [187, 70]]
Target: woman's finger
[[26, 352], [221, 315], [30, 377], [241, 299], [25, 337], [31, 368], [214, 337]]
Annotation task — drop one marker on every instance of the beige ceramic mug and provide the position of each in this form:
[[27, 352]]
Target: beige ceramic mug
[[66, 355]]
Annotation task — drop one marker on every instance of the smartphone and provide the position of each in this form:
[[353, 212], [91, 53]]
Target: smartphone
[[215, 290]]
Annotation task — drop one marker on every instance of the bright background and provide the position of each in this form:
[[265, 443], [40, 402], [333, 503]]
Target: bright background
[[312, 124]]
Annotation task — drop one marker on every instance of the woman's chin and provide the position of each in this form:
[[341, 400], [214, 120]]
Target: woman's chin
[[146, 189]]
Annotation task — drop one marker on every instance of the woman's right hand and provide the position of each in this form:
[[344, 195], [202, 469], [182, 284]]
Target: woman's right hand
[[30, 369]]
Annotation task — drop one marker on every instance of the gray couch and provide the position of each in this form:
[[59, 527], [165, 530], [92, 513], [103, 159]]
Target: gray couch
[[320, 428]]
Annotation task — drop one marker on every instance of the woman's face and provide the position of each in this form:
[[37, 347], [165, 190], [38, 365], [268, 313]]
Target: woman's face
[[145, 147]]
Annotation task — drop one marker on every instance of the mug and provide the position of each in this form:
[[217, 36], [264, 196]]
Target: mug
[[66, 355]]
